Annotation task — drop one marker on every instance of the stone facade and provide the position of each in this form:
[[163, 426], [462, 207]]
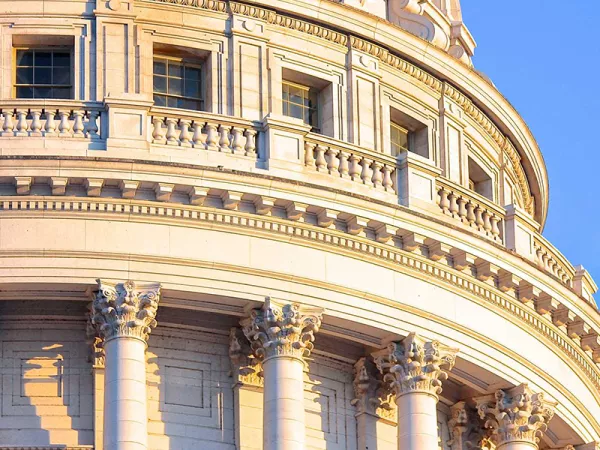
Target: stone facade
[[277, 225]]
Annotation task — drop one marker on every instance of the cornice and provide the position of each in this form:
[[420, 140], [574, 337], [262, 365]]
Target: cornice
[[391, 253]]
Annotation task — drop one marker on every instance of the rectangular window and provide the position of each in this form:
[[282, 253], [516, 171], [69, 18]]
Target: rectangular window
[[300, 102], [399, 138], [43, 73], [177, 84]]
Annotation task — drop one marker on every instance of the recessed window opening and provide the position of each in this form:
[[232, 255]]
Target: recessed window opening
[[177, 83], [407, 134], [480, 181], [44, 73], [300, 102]]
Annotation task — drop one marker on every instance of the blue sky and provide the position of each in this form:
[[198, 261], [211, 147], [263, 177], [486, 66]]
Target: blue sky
[[544, 56]]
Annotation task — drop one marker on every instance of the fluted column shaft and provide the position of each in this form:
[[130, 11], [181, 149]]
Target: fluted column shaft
[[123, 315], [281, 336], [413, 368]]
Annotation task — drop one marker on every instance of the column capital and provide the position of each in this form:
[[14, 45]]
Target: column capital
[[370, 393], [282, 329], [125, 309], [466, 430], [415, 365], [516, 415], [246, 369]]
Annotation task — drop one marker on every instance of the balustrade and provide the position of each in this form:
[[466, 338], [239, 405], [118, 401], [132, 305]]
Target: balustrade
[[552, 261], [205, 131], [476, 213], [68, 120], [349, 162]]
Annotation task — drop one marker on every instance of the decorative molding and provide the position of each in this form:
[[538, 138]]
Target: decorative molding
[[515, 415], [246, 368], [282, 329], [394, 253], [125, 309], [415, 365]]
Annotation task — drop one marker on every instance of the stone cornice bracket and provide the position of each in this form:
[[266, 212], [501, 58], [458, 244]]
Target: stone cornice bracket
[[415, 365], [515, 415], [282, 329], [125, 309], [246, 369]]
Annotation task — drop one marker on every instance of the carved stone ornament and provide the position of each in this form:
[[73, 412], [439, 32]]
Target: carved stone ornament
[[282, 329], [466, 429], [415, 365], [96, 355], [125, 309], [246, 369], [370, 393], [515, 415]]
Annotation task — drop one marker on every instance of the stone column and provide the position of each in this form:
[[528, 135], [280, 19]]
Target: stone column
[[282, 336], [123, 315], [414, 368], [516, 417]]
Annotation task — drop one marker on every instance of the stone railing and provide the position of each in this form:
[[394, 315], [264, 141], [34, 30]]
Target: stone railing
[[50, 118], [471, 209], [552, 261], [350, 162], [203, 130]]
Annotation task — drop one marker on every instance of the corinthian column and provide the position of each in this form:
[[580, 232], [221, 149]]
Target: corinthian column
[[282, 336], [516, 417], [415, 369], [123, 315]]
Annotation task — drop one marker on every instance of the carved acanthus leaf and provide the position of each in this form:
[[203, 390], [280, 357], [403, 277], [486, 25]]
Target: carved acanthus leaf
[[246, 368], [415, 365], [516, 414], [125, 309], [286, 329], [466, 429]]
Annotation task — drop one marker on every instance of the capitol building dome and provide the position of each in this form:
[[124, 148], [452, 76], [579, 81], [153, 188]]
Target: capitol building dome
[[277, 225]]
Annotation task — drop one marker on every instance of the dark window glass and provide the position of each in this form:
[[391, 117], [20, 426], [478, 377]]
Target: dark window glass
[[43, 74], [300, 102], [177, 84]]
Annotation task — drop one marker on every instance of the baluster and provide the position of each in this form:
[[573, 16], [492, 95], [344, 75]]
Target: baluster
[[36, 124], [92, 125], [487, 224], [388, 180], [171, 132], [224, 141], [365, 174], [320, 160], [8, 125], [344, 169], [355, 169], [50, 127], [479, 217], [237, 145], [453, 207], [444, 201], [462, 209], [199, 138], [309, 154], [332, 161], [377, 177], [496, 227], [212, 136], [539, 253], [78, 124], [64, 126], [470, 213], [250, 148], [184, 133], [158, 135], [21, 123]]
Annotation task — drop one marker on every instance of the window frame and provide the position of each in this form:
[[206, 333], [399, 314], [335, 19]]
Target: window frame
[[393, 145], [184, 62], [50, 49], [312, 108]]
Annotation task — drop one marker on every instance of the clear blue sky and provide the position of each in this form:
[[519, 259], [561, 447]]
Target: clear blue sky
[[544, 56]]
